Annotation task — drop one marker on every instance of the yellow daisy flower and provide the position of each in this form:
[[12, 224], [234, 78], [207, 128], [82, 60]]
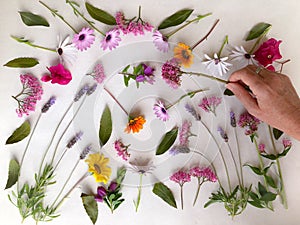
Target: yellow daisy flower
[[183, 54], [98, 167]]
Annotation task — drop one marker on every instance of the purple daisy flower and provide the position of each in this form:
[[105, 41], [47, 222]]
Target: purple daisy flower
[[160, 41], [161, 111], [84, 39], [111, 40]]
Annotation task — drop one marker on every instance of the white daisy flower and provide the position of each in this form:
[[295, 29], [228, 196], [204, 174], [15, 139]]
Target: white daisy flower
[[141, 166], [243, 58], [67, 52], [217, 65]]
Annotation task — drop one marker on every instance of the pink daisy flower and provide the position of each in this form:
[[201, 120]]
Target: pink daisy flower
[[160, 41], [111, 40], [161, 111], [84, 39]]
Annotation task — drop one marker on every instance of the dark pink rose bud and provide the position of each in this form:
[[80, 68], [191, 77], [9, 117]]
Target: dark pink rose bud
[[268, 52]]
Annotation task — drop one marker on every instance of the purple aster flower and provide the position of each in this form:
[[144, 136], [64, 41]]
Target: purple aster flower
[[122, 150], [210, 104], [193, 111], [171, 73], [223, 134], [160, 41], [161, 111], [249, 122], [111, 40], [84, 39], [101, 193]]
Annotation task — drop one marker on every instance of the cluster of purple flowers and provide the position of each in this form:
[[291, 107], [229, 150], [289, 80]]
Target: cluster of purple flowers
[[171, 73], [209, 104], [249, 122], [122, 150]]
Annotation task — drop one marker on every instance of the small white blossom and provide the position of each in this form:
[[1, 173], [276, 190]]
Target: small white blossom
[[242, 57], [217, 65], [67, 52]]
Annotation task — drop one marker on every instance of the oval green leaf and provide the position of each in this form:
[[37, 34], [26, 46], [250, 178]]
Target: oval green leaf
[[19, 134], [258, 30], [164, 193], [105, 126], [100, 15], [31, 19], [90, 206], [22, 62], [167, 141], [277, 133], [13, 173], [175, 19]]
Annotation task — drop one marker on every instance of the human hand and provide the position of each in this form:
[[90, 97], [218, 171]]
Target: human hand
[[273, 100]]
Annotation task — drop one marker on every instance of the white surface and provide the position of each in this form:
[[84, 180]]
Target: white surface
[[237, 17]]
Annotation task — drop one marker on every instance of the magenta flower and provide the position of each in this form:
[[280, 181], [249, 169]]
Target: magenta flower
[[122, 150], [286, 143], [98, 73], [160, 41], [249, 122], [147, 75], [268, 52], [58, 75], [84, 39], [111, 39], [261, 148], [171, 73], [31, 93], [101, 193], [210, 104], [160, 111], [185, 133], [121, 22]]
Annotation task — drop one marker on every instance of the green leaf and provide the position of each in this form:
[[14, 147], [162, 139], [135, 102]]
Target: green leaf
[[282, 154], [22, 62], [261, 189], [210, 202], [31, 19], [19, 134], [268, 197], [164, 193], [270, 181], [270, 156], [90, 206], [228, 92], [105, 126], [175, 19], [256, 204], [258, 30], [100, 15], [167, 141], [277, 133], [120, 175], [13, 173], [255, 169]]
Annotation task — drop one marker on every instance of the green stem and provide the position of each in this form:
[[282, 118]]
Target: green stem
[[223, 45], [282, 192], [137, 203], [181, 195], [55, 13], [85, 19], [26, 148], [240, 158], [198, 190], [235, 164], [259, 39], [206, 36], [116, 100], [186, 24], [206, 75], [190, 94], [32, 45], [221, 154]]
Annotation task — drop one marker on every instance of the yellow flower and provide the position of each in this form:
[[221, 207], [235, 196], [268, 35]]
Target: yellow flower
[[183, 54], [98, 167], [135, 125]]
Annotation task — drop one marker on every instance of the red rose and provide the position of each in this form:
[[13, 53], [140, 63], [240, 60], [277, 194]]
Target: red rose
[[268, 52], [59, 74]]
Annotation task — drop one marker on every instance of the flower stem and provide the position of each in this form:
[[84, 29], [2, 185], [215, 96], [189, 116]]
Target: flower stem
[[223, 45], [239, 156], [27, 42], [137, 203], [186, 24], [55, 13], [206, 36], [181, 195], [235, 164], [83, 17], [190, 94], [282, 192], [259, 39], [114, 98], [26, 148], [207, 76], [198, 190]]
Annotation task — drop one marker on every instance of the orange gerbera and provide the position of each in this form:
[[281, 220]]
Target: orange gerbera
[[135, 125], [183, 54]]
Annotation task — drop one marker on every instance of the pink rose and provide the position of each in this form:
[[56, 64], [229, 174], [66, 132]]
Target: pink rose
[[58, 75], [268, 52]]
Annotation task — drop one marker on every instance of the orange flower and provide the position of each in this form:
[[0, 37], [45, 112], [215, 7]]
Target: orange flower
[[135, 125], [183, 54]]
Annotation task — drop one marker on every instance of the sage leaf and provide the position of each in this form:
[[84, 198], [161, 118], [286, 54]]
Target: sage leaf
[[277, 133], [31, 19], [270, 181], [90, 206], [19, 134], [261, 189], [255, 169], [268, 197], [175, 19], [164, 193], [13, 173], [105, 126], [100, 15], [256, 204], [258, 30], [228, 92], [22, 62], [167, 141]]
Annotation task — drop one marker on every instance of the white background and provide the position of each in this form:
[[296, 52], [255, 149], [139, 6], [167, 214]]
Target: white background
[[237, 17]]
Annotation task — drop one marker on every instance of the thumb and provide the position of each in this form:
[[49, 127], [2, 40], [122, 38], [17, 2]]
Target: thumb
[[244, 96]]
